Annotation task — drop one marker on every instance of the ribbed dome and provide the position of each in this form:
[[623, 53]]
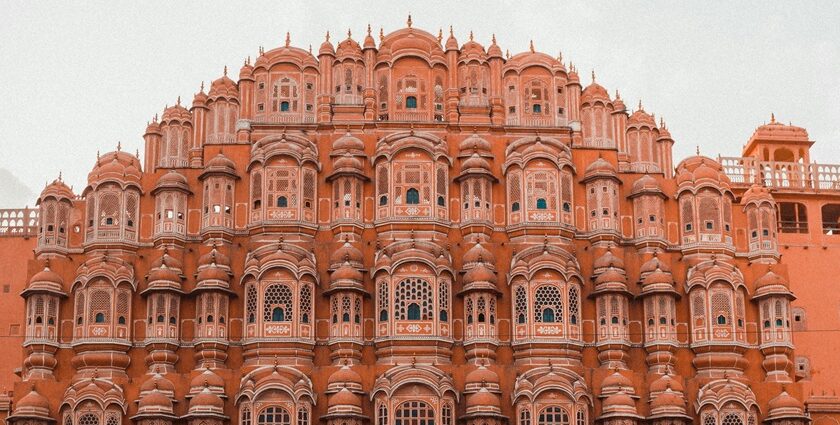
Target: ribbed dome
[[346, 252], [665, 382], [594, 91], [348, 162], [478, 253], [646, 184], [348, 48], [327, 47], [599, 167], [641, 117], [155, 401], [785, 401], [608, 259], [483, 398], [775, 130], [159, 382], [57, 189], [757, 194], [653, 264], [172, 180], [220, 161], [176, 113], [479, 273], [482, 376], [117, 165], [616, 380], [619, 401], [346, 272], [475, 162], [668, 398], [224, 87], [207, 378], [214, 257], [771, 278], [47, 277], [206, 401], [472, 144]]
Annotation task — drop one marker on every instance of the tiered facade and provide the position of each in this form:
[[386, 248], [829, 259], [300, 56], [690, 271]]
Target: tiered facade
[[411, 232]]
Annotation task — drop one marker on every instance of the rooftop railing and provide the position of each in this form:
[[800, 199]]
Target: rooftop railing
[[18, 222], [781, 175]]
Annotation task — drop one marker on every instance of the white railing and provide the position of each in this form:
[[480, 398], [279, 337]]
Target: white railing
[[781, 175], [18, 222]]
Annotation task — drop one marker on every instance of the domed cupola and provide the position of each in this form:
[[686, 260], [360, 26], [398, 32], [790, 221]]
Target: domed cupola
[[119, 167], [619, 408], [612, 299], [345, 378], [58, 190], [483, 402], [369, 42], [472, 51], [327, 47], [213, 270], [494, 51], [348, 49], [451, 42], [55, 204], [205, 405], [45, 281], [223, 87], [33, 409], [165, 274], [785, 409], [607, 260], [641, 118], [594, 92], [669, 407]]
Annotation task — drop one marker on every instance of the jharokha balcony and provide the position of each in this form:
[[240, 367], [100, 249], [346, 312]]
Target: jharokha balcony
[[781, 175]]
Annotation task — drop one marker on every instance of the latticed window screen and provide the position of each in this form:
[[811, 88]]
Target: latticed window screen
[[441, 184], [580, 416], [443, 300], [412, 295], [245, 415], [113, 419], [708, 208], [721, 307], [553, 415], [382, 414], [100, 303], [732, 419], [274, 415], [515, 190], [89, 419], [446, 414], [109, 207], [698, 307], [548, 304], [382, 298], [382, 184], [277, 303], [468, 309], [303, 416], [521, 304], [414, 413], [282, 186], [251, 304], [305, 303], [308, 188], [481, 306], [284, 97], [574, 305], [122, 306], [542, 190], [256, 190], [687, 213]]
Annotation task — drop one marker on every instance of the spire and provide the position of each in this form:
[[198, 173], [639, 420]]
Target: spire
[[349, 34], [471, 35], [59, 179], [408, 21], [368, 33], [440, 35], [493, 38], [772, 117], [560, 56], [381, 34], [201, 90], [532, 46], [119, 146], [179, 100], [224, 71], [288, 39], [593, 75], [451, 31], [617, 96], [640, 105], [697, 149]]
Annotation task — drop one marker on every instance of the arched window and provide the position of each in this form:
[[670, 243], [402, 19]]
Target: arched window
[[414, 413], [245, 416], [282, 202], [525, 417], [411, 102], [100, 318], [553, 415], [412, 196], [274, 416], [276, 314], [548, 315], [541, 204], [382, 415], [413, 311], [548, 297]]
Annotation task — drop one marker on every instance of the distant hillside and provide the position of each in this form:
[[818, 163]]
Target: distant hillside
[[13, 193]]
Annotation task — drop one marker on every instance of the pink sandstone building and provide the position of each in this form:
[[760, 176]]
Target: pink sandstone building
[[414, 231]]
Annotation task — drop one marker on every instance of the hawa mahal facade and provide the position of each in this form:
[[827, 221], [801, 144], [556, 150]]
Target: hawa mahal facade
[[413, 231]]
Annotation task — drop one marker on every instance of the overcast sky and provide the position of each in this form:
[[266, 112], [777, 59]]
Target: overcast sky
[[77, 77]]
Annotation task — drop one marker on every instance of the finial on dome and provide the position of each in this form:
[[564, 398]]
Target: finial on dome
[[697, 150], [137, 152], [493, 39], [156, 118], [593, 75], [179, 100], [381, 34], [225, 73], [310, 48], [59, 179], [640, 105], [119, 146], [772, 117], [368, 33], [617, 96], [507, 53], [408, 21], [201, 89], [288, 39], [531, 46], [440, 35], [349, 33], [471, 35], [451, 31], [97, 151], [560, 56]]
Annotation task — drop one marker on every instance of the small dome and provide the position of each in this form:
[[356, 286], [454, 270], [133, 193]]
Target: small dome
[[478, 253], [771, 278], [472, 49], [206, 401], [224, 87], [608, 259], [479, 273], [616, 380], [348, 142], [475, 162], [207, 378], [369, 42], [212, 273], [159, 382], [347, 252], [451, 42], [640, 117], [155, 401], [757, 194], [345, 397], [483, 398], [598, 168], [220, 161], [346, 273], [785, 401], [646, 184], [668, 398], [619, 401], [472, 144], [664, 383], [611, 275], [46, 277], [494, 51], [214, 257], [348, 162], [658, 277], [172, 180], [778, 131], [655, 263], [327, 47], [594, 91], [117, 165], [345, 375], [33, 401], [349, 48], [482, 376], [58, 190], [176, 113], [163, 274]]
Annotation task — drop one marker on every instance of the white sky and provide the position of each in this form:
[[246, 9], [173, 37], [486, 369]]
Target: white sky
[[77, 77]]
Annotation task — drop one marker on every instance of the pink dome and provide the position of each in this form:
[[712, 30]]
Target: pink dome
[[58, 190]]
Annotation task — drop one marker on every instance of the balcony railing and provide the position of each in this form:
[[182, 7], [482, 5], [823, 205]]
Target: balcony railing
[[221, 138], [537, 121], [781, 175], [18, 222], [286, 118]]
